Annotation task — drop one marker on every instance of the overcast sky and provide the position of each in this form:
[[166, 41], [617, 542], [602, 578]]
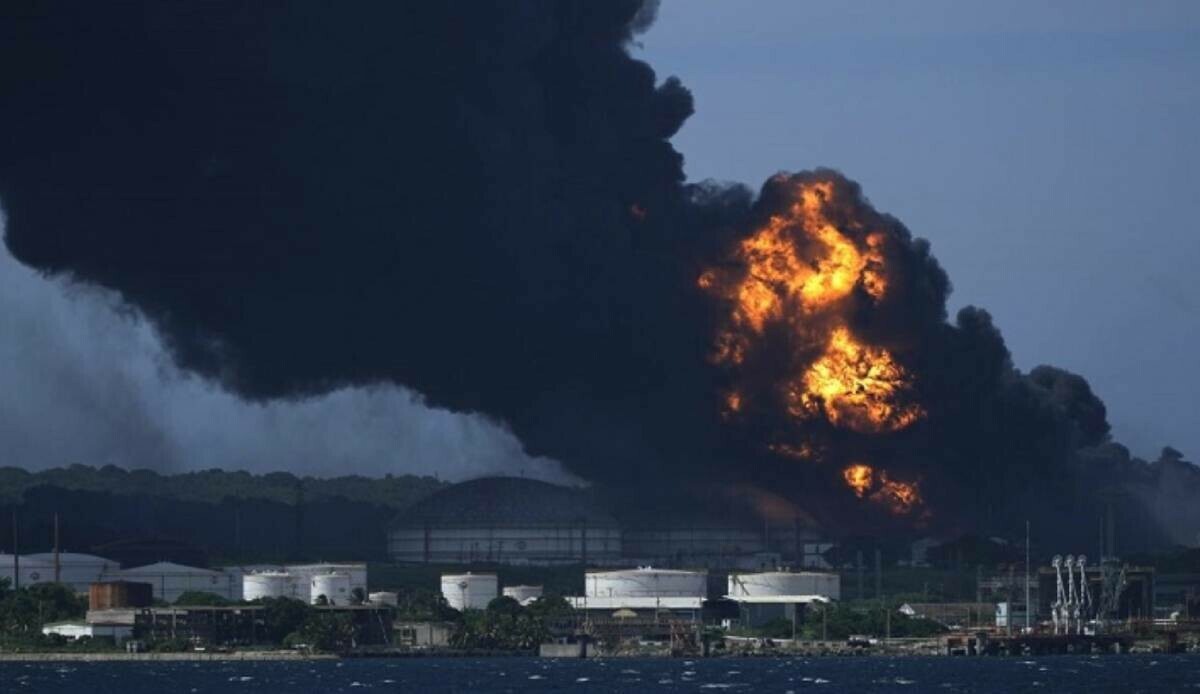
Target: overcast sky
[[1050, 151]]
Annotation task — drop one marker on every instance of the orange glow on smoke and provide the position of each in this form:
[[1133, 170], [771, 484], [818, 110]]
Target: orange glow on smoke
[[733, 403], [855, 386], [796, 274], [802, 452], [859, 477], [900, 498]]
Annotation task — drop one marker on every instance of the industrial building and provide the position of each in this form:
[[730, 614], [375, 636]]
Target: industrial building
[[73, 631], [209, 624], [509, 520], [169, 580], [71, 568], [506, 520]]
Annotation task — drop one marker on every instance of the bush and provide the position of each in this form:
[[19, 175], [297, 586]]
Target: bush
[[201, 598]]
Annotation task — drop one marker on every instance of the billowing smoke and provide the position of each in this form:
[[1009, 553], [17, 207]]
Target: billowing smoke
[[480, 202], [83, 381]]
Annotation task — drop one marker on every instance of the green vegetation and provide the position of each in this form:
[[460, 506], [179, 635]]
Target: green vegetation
[[505, 625], [215, 486], [205, 518], [24, 611], [423, 605], [839, 621], [194, 598]]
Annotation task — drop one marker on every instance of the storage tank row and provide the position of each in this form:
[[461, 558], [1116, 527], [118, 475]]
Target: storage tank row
[[331, 587], [339, 583]]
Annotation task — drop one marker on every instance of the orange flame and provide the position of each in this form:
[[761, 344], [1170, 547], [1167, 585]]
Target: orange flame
[[795, 271], [733, 403], [859, 477], [900, 497], [777, 273], [855, 386]]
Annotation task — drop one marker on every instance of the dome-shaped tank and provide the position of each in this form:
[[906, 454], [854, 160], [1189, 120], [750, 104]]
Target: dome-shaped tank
[[469, 591], [267, 584], [334, 587], [770, 583], [523, 594], [384, 597], [647, 582]]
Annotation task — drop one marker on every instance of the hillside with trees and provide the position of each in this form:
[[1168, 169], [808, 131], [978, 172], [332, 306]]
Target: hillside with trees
[[211, 516]]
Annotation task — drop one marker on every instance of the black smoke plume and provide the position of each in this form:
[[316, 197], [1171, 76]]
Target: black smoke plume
[[476, 200]]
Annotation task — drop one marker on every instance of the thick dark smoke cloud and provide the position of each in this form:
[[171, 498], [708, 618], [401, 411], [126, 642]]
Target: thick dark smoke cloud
[[84, 381], [478, 201]]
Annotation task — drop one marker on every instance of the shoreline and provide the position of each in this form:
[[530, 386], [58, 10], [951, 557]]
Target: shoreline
[[161, 657]]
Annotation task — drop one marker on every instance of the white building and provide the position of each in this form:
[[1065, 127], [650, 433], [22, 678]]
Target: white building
[[74, 631], [506, 520], [170, 580], [470, 591], [524, 595]]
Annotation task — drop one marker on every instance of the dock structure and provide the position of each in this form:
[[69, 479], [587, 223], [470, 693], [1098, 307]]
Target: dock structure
[[984, 643]]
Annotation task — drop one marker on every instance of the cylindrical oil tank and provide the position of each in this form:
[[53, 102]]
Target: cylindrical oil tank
[[384, 597], [470, 591], [770, 583], [523, 594], [334, 586], [267, 584], [111, 595], [647, 582]]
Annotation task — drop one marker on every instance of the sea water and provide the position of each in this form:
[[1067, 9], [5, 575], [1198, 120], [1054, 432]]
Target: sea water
[[1125, 674]]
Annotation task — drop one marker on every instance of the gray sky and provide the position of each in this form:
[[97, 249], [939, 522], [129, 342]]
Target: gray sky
[[1050, 151]]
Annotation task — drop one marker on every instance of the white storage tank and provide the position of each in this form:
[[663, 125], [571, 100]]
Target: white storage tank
[[647, 582], [384, 597], [334, 586], [523, 594], [772, 583], [470, 591], [267, 584]]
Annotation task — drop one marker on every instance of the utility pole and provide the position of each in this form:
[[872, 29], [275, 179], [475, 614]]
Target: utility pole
[[1009, 617], [16, 553], [878, 576], [859, 557], [1027, 608], [57, 555]]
